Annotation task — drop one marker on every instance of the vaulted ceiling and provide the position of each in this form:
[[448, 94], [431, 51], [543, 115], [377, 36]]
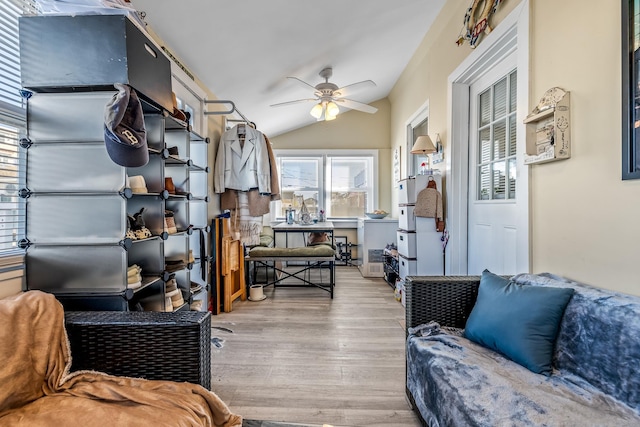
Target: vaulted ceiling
[[243, 50]]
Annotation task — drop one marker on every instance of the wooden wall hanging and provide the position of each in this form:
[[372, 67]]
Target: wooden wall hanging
[[476, 21]]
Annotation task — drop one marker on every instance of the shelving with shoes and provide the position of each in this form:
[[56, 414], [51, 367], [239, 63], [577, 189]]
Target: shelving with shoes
[[101, 235]]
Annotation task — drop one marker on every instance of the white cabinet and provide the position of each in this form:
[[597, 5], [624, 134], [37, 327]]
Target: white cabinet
[[419, 244], [373, 236]]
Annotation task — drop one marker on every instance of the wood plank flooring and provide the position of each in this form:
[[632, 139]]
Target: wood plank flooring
[[300, 357]]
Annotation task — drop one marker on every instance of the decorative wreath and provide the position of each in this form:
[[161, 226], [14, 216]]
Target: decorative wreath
[[476, 21]]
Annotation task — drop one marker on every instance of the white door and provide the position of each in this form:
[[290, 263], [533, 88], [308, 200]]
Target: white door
[[492, 209]]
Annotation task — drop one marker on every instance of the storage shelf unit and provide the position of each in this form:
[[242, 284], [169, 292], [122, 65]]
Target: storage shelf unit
[[78, 199], [419, 244]]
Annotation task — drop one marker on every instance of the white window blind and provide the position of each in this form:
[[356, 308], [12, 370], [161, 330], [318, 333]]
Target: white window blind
[[12, 123]]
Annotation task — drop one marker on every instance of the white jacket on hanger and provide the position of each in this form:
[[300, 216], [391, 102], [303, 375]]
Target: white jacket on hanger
[[242, 167]]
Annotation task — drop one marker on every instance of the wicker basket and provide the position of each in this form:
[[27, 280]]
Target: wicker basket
[[158, 346]]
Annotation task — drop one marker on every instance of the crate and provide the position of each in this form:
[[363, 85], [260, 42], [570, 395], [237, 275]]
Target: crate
[[59, 53]]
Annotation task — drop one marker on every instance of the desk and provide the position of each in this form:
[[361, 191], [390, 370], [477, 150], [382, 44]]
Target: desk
[[318, 227]]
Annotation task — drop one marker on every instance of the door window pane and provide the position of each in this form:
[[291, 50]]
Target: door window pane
[[497, 141]]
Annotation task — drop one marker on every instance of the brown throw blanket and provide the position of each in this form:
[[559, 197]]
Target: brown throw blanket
[[37, 389]]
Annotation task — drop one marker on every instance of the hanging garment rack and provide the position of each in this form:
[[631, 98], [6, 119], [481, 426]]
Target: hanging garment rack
[[231, 110]]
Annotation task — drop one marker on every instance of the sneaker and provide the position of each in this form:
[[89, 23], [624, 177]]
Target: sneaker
[[168, 305], [196, 305]]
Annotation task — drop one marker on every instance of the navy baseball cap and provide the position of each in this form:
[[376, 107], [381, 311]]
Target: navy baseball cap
[[125, 136]]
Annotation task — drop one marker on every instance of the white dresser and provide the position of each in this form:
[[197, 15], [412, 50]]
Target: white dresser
[[419, 244], [373, 236]]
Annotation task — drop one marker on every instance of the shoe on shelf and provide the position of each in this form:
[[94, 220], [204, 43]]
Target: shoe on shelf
[[191, 258], [170, 222], [195, 287], [169, 185], [173, 151], [171, 286], [134, 277], [138, 184], [137, 229], [168, 305], [196, 305], [176, 299]]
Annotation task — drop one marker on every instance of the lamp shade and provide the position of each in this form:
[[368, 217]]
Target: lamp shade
[[316, 111], [332, 109], [423, 145]]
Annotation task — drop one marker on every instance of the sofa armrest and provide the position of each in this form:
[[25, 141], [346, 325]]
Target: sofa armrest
[[152, 345], [447, 300]]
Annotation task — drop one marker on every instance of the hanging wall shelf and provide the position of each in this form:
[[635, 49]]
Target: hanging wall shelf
[[549, 128]]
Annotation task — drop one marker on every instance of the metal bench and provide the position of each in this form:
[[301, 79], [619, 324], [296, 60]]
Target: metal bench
[[313, 257]]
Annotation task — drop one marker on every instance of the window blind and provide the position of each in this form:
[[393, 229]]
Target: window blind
[[12, 124]]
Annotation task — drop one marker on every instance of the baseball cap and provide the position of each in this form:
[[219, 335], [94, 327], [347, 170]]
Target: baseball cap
[[125, 135]]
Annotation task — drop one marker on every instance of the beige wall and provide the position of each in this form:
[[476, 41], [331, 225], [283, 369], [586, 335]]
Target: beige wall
[[583, 216], [351, 130]]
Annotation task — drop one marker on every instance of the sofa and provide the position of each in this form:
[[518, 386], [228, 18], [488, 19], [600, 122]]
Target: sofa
[[452, 380], [39, 387]]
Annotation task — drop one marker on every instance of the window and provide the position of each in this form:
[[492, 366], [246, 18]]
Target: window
[[630, 89], [496, 168], [12, 123], [342, 183]]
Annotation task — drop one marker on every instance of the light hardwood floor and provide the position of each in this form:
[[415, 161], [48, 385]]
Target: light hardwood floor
[[299, 356]]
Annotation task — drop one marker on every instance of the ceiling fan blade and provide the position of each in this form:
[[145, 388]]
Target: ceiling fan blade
[[297, 101], [355, 105], [348, 90], [303, 83]]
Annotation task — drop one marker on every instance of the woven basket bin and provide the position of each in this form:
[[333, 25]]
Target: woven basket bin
[[156, 346]]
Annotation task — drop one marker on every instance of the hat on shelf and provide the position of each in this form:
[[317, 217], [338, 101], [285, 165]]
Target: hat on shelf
[[137, 184], [125, 135]]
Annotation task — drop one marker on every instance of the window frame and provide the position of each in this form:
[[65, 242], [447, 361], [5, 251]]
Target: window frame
[[13, 114], [324, 177], [630, 91]]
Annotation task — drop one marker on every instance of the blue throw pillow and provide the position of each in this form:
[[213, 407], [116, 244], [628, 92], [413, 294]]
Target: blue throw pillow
[[519, 321]]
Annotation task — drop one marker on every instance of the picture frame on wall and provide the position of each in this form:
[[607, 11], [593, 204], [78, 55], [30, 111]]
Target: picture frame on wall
[[630, 89]]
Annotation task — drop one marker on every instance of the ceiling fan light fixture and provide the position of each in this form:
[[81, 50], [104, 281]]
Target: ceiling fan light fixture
[[328, 117], [332, 109], [316, 111]]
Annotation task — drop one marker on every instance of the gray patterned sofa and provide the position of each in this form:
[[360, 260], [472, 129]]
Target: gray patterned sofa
[[453, 381]]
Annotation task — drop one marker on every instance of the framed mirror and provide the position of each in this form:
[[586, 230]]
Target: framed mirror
[[630, 89]]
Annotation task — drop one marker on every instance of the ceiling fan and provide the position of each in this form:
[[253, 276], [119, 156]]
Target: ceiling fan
[[328, 96]]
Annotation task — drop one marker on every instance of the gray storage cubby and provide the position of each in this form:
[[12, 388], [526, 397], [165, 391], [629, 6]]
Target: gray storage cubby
[[87, 168], [76, 218], [90, 269], [78, 200]]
